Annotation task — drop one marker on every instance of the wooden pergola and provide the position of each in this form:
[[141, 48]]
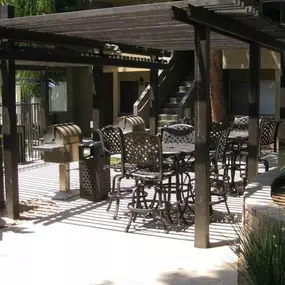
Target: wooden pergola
[[151, 29]]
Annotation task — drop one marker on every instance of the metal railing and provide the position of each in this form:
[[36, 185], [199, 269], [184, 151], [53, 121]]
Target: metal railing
[[167, 82], [186, 105], [30, 127]]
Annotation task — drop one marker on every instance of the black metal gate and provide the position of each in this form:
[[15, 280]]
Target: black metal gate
[[30, 127]]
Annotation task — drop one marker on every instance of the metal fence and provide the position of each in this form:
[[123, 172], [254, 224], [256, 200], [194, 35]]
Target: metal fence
[[30, 127]]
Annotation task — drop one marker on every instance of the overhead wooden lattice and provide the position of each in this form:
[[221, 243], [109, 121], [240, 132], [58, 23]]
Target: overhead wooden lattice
[[150, 26]]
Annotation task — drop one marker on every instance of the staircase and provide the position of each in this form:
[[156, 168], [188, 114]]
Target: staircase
[[175, 91], [169, 111]]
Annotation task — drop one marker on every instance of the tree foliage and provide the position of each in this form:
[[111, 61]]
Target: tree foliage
[[29, 80], [31, 7]]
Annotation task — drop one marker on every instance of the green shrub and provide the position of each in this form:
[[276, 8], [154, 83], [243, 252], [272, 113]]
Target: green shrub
[[115, 160], [262, 253]]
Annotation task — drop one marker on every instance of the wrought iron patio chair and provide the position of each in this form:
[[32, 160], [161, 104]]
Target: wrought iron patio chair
[[265, 120], [188, 121], [143, 155], [215, 133], [112, 142], [241, 123], [219, 170], [176, 135], [267, 144]]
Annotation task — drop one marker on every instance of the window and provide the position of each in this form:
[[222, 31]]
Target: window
[[239, 97], [57, 97]]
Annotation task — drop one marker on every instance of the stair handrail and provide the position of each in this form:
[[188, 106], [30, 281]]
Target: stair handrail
[[186, 100], [142, 105]]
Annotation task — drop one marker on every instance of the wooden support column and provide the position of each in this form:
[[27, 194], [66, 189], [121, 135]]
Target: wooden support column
[[44, 96], [254, 94], [10, 127], [98, 95], [202, 128], [278, 99], [2, 192], [153, 121]]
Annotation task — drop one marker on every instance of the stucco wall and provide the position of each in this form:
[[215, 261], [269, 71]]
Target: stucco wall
[[239, 59]]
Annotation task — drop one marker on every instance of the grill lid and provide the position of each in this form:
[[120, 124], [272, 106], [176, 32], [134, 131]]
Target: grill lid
[[62, 134]]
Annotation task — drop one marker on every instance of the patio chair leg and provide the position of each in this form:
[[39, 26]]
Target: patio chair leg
[[167, 205], [109, 205], [112, 191], [130, 221], [169, 189], [160, 205], [143, 197], [118, 199], [132, 203], [225, 197], [227, 206], [265, 163]]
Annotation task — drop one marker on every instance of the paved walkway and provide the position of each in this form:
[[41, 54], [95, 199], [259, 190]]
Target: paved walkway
[[77, 242]]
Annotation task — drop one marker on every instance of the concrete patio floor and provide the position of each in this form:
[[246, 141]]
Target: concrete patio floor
[[78, 242]]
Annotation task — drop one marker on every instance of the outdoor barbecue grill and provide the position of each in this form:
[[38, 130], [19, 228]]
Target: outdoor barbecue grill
[[131, 123], [60, 145]]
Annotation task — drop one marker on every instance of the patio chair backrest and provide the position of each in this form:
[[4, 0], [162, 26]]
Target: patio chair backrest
[[264, 120], [188, 121], [220, 152], [112, 139], [142, 151], [178, 134], [241, 123], [215, 133], [269, 133]]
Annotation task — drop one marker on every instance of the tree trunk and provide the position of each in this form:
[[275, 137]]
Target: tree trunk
[[217, 96]]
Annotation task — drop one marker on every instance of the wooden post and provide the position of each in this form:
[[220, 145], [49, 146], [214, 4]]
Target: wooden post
[[10, 127], [2, 192], [277, 98], [202, 164], [254, 92], [98, 113], [153, 122], [44, 96]]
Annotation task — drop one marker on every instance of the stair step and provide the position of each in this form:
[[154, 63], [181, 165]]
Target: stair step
[[168, 117], [180, 94], [182, 88], [170, 105], [189, 78], [186, 83], [163, 123], [174, 100], [169, 110]]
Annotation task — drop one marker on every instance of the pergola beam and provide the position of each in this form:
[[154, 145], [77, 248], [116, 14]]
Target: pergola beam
[[124, 11], [63, 40], [36, 54], [225, 25]]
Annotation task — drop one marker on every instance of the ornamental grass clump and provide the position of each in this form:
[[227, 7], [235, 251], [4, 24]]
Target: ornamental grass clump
[[262, 253]]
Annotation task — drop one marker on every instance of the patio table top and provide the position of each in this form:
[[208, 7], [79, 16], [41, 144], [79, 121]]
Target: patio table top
[[238, 134], [176, 149]]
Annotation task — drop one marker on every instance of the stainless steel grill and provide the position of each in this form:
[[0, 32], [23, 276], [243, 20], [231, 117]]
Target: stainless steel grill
[[131, 123], [60, 145]]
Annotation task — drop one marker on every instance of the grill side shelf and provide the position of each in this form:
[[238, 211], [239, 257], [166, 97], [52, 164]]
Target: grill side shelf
[[49, 147]]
